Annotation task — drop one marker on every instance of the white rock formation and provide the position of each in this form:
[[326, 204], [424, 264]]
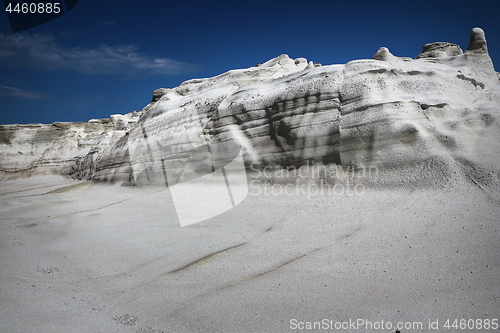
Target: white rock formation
[[65, 148], [439, 112]]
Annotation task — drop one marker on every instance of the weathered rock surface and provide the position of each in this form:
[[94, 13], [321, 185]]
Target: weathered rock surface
[[66, 148], [439, 112], [440, 49]]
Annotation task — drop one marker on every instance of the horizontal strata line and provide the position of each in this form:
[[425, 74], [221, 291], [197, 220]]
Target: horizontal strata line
[[365, 107], [350, 125], [234, 110], [304, 94], [255, 133], [328, 144], [317, 97], [294, 109], [325, 115], [416, 115], [332, 148], [298, 126], [282, 114], [347, 101]]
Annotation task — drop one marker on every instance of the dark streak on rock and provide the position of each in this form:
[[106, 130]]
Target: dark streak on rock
[[377, 71], [474, 82], [208, 256], [7, 133], [284, 264], [426, 106], [351, 233], [430, 73], [25, 226]]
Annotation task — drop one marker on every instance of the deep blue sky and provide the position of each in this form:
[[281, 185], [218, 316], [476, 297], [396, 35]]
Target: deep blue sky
[[107, 56]]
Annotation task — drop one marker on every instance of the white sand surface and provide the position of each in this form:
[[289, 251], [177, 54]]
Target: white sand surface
[[82, 257]]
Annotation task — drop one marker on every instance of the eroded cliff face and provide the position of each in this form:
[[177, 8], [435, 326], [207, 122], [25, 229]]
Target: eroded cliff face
[[440, 111], [65, 148]]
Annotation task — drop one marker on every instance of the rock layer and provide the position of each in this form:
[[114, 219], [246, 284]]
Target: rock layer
[[442, 108]]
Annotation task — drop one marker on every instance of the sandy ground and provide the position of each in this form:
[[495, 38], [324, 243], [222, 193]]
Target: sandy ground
[[81, 257]]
